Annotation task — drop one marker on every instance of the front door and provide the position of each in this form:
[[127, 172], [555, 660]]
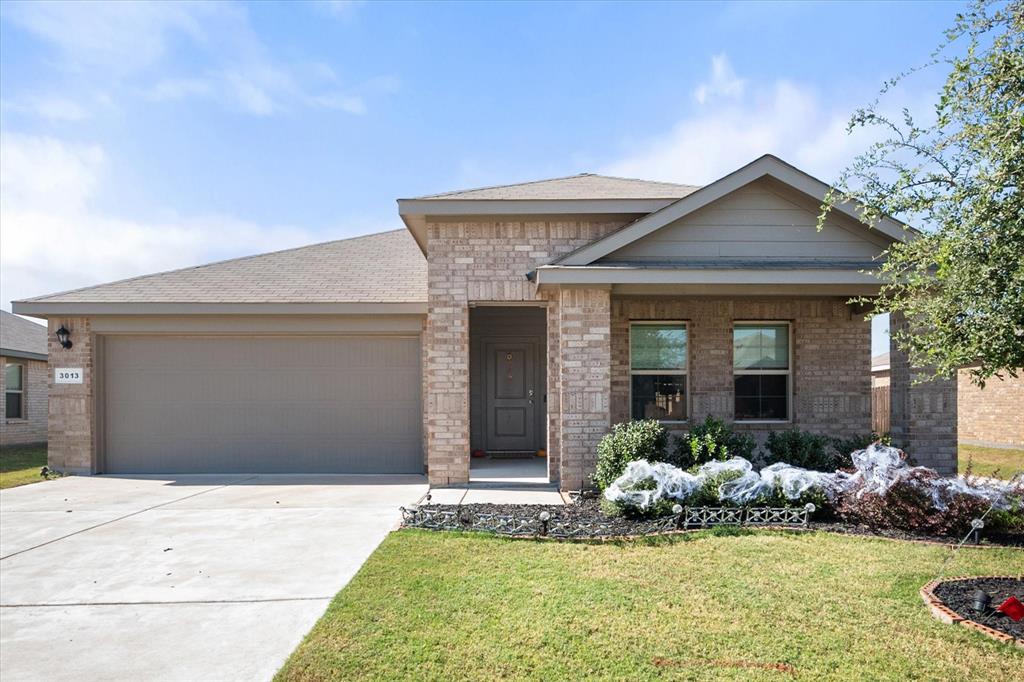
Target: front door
[[511, 396]]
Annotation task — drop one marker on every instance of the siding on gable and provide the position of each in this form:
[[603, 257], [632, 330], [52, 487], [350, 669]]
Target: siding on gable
[[761, 221]]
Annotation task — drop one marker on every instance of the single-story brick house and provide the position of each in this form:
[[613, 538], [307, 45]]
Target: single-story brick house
[[23, 388], [508, 319]]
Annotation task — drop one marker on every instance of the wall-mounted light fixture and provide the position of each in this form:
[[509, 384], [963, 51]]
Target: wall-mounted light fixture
[[64, 337]]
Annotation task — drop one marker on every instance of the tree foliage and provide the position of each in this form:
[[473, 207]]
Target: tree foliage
[[961, 280]]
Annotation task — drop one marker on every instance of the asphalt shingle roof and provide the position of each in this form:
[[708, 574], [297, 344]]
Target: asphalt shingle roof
[[387, 267], [20, 335], [583, 186]]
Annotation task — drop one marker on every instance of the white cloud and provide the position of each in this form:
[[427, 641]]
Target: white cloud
[[132, 43], [52, 239], [123, 37], [49, 107], [724, 81], [791, 120]]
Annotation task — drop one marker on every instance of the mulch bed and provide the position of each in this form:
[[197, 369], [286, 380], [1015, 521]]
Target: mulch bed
[[586, 514], [958, 596]]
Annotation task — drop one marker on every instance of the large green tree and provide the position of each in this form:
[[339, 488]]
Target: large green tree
[[958, 178]]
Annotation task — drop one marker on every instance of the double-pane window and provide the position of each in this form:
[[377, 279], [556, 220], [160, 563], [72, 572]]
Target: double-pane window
[[761, 371], [14, 390], [658, 366]]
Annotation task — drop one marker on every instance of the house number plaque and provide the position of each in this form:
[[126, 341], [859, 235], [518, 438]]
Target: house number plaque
[[67, 375]]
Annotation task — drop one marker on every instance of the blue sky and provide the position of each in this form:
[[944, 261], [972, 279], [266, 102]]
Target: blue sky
[[141, 137]]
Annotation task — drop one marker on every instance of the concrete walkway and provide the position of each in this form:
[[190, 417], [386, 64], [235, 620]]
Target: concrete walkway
[[186, 578]]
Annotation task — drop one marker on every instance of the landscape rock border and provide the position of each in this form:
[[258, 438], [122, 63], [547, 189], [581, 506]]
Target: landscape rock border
[[947, 615]]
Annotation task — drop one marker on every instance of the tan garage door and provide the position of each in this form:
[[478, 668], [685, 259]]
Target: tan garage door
[[261, 404]]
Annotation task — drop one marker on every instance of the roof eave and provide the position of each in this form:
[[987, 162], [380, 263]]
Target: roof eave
[[598, 275], [45, 309], [22, 354]]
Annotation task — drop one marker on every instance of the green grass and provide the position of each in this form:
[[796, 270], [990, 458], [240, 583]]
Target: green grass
[[725, 605], [19, 464], [1000, 462]]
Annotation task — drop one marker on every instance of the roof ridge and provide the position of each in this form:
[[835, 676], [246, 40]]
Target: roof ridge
[[555, 179], [205, 265], [507, 184], [657, 182]]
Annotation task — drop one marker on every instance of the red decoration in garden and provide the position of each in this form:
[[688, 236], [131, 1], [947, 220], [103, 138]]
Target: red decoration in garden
[[479, 453], [1013, 608]]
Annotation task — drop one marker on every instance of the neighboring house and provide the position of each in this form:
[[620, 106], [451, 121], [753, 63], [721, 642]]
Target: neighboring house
[[509, 319], [880, 406], [23, 391], [986, 416]]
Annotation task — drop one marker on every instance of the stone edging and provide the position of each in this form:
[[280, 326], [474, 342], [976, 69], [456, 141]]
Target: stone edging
[[947, 615]]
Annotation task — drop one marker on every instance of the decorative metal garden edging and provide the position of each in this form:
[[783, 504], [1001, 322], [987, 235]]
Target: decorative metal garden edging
[[544, 524]]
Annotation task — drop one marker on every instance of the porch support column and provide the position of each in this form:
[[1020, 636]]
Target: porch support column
[[584, 372], [72, 416], [923, 415], [447, 374]]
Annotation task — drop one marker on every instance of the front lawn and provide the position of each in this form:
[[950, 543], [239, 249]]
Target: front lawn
[[728, 604], [1002, 462], [20, 464]]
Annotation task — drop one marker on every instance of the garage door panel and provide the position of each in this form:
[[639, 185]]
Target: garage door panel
[[262, 404]]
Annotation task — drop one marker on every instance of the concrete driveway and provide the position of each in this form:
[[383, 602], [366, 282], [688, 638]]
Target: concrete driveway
[[179, 578]]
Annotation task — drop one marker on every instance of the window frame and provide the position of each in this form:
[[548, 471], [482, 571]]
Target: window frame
[[788, 372], [685, 372], [22, 407]]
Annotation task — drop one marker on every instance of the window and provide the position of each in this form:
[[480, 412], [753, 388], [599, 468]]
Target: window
[[657, 366], [761, 371], [14, 387]]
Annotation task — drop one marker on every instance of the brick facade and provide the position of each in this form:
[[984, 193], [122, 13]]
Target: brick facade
[[831, 356], [31, 428], [72, 410], [923, 412], [991, 415], [583, 380], [484, 260]]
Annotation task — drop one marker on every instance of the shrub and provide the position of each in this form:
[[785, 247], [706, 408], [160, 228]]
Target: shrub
[[908, 506], [801, 449], [628, 442], [843, 447], [708, 441], [707, 494]]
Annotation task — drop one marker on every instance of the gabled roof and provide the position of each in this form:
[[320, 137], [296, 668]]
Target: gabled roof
[[574, 195], [766, 166], [582, 186], [20, 338], [377, 273]]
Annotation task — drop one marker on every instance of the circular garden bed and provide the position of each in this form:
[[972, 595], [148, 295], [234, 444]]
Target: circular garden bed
[[953, 600]]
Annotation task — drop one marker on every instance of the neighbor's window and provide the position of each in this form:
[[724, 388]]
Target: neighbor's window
[[657, 366], [14, 387], [761, 371]]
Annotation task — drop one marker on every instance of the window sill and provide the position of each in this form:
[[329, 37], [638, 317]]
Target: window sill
[[763, 421], [16, 420]]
